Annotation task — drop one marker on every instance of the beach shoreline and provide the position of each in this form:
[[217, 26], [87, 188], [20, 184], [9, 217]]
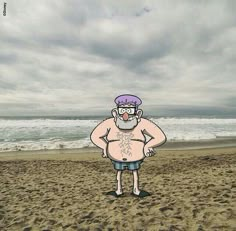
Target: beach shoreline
[[222, 142]]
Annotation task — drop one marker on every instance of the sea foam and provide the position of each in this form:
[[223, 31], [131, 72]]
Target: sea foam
[[37, 134]]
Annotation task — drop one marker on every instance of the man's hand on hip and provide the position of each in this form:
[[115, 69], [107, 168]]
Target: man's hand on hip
[[104, 154], [149, 151]]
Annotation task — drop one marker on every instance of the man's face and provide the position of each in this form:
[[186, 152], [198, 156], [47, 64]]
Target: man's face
[[126, 116]]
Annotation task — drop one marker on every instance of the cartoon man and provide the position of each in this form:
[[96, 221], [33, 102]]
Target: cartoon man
[[122, 139]]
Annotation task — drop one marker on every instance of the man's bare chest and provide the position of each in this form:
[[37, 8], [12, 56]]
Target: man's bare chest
[[125, 136]]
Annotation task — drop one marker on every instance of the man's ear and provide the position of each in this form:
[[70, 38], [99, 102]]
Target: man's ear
[[139, 114], [114, 112]]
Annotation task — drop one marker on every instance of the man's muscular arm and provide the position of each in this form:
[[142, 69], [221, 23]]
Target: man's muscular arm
[[98, 134], [157, 135]]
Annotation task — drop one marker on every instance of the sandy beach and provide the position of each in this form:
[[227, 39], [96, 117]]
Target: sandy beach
[[191, 189]]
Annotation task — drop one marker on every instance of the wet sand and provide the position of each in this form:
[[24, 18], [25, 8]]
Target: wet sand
[[65, 190]]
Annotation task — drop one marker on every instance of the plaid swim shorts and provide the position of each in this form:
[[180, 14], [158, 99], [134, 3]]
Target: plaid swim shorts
[[127, 165]]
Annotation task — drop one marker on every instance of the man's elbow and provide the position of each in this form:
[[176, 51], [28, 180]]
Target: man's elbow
[[94, 138], [164, 139]]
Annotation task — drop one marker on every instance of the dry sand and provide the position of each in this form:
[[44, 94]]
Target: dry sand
[[65, 190]]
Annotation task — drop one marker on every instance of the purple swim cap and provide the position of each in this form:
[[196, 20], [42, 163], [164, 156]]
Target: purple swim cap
[[128, 99]]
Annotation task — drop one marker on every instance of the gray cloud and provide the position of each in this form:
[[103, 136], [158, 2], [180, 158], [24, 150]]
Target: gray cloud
[[8, 58], [75, 57]]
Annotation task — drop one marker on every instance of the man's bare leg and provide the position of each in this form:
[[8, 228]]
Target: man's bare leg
[[119, 185], [136, 182], [136, 191]]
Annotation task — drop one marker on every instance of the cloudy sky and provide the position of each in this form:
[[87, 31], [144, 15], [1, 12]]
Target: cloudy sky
[[74, 57]]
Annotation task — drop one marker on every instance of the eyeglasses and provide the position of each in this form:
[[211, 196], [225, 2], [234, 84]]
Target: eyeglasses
[[129, 110]]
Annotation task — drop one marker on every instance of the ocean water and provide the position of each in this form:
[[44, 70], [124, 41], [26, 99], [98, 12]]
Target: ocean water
[[32, 133]]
